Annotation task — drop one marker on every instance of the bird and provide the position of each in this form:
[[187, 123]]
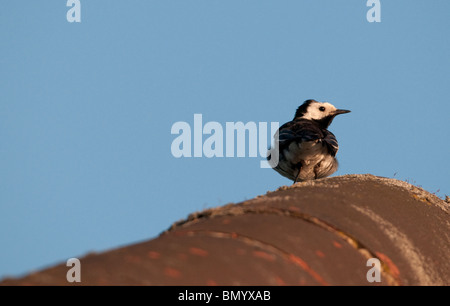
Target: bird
[[304, 148]]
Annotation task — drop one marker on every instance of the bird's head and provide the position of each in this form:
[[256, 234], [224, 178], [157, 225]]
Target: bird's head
[[321, 112]]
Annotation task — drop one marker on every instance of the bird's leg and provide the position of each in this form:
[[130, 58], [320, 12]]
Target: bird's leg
[[298, 174], [316, 169]]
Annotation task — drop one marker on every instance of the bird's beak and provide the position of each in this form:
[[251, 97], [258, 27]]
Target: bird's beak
[[340, 111]]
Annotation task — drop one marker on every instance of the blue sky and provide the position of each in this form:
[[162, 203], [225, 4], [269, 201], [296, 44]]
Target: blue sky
[[86, 109]]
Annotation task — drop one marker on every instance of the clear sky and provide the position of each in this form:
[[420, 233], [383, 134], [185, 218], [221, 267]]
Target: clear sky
[[86, 109]]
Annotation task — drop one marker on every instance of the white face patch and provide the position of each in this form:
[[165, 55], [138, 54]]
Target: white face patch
[[319, 110]]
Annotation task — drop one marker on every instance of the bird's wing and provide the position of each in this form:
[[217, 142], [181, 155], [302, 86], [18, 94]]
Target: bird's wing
[[299, 130], [331, 143], [306, 130]]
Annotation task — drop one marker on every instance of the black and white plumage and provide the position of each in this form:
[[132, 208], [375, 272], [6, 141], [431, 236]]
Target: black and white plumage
[[306, 149]]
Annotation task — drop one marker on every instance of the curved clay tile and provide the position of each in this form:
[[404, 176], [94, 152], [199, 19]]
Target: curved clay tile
[[313, 233]]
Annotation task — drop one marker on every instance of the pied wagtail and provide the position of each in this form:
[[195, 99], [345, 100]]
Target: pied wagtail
[[306, 149]]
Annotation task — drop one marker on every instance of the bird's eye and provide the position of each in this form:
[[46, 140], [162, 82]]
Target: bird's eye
[[322, 109]]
